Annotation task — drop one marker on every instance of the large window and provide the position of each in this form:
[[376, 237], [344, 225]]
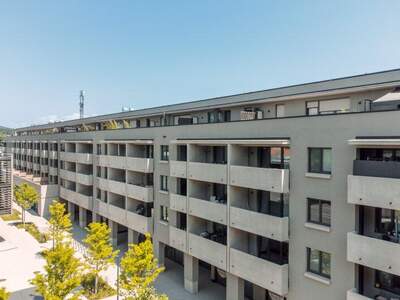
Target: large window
[[320, 160], [164, 152], [387, 223], [319, 262], [387, 281], [164, 183], [319, 212], [325, 107]]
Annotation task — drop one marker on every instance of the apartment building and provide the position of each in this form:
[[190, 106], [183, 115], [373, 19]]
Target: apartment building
[[6, 185], [289, 193]]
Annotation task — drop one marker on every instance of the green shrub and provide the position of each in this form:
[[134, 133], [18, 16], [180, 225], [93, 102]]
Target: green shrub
[[14, 216], [34, 231], [105, 290]]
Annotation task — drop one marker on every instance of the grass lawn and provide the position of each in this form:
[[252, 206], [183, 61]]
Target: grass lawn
[[34, 231], [105, 290], [14, 216]]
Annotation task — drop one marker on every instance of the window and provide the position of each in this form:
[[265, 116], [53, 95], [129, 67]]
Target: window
[[280, 110], [164, 213], [164, 152], [312, 108], [387, 281], [319, 212], [164, 183], [320, 160], [319, 262]]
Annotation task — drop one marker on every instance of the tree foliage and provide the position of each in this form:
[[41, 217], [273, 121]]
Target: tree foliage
[[4, 295], [60, 222], [25, 196], [100, 254], [139, 270], [111, 124], [62, 274]]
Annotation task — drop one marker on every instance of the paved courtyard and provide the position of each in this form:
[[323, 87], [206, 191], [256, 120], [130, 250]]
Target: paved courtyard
[[19, 259]]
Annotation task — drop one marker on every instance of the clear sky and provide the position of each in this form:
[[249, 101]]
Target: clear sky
[[150, 53]]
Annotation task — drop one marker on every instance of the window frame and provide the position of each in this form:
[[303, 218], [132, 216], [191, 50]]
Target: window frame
[[320, 218], [164, 214], [308, 108], [321, 156], [164, 152], [162, 187], [320, 254]]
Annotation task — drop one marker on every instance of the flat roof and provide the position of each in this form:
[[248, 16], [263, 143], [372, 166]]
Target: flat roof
[[376, 80]]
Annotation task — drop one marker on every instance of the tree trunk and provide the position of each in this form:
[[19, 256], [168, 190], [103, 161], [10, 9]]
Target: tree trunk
[[96, 282]]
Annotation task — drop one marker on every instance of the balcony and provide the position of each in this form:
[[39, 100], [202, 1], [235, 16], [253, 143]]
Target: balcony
[[177, 202], [208, 172], [102, 208], [65, 174], [374, 253], [177, 168], [138, 192], [208, 210], [374, 191], [44, 153], [76, 198], [261, 224], [144, 165], [86, 179], [354, 295], [139, 223], [207, 250], [389, 169], [53, 154], [84, 158], [36, 152], [266, 274], [267, 179], [177, 238], [53, 171], [117, 187], [117, 214], [36, 166], [44, 168]]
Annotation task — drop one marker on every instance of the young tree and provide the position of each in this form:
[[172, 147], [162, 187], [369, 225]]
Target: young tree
[[60, 222], [100, 254], [25, 196], [139, 270], [4, 295], [62, 274]]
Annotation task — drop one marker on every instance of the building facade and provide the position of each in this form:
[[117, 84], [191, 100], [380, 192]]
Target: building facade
[[290, 193], [6, 183]]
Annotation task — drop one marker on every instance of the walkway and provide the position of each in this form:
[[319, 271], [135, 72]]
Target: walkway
[[19, 264]]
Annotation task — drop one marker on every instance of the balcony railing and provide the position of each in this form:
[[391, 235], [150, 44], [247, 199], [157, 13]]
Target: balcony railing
[[207, 250], [388, 169], [373, 253], [374, 191], [208, 210], [268, 179], [261, 224], [208, 172], [264, 273]]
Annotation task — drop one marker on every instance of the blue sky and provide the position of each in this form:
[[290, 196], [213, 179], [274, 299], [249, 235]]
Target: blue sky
[[149, 53]]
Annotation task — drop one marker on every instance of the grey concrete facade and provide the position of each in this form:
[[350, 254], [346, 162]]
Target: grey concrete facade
[[204, 199]]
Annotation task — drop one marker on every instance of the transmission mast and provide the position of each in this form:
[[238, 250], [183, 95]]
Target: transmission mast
[[81, 104]]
